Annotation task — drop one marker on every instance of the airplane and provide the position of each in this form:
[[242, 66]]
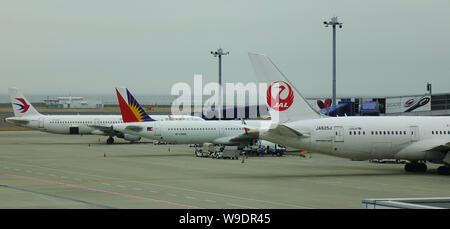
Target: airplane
[[296, 124], [207, 133], [26, 115]]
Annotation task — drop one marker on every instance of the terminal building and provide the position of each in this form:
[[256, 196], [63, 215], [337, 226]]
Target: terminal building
[[73, 102], [414, 105]]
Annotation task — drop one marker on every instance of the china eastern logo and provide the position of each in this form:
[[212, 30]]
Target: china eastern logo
[[23, 107], [280, 96]]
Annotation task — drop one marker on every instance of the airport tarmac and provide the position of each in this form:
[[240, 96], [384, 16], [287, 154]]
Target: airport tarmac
[[40, 170]]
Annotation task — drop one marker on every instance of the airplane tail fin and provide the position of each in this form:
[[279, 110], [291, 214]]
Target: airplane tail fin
[[285, 102], [21, 106], [131, 110]]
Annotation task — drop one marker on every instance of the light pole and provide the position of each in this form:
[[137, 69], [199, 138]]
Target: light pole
[[334, 22], [219, 53]]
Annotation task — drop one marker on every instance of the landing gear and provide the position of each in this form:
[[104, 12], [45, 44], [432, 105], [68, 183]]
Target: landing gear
[[110, 140], [444, 170], [416, 167]]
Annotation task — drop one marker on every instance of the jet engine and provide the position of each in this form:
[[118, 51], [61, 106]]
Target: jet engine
[[129, 137]]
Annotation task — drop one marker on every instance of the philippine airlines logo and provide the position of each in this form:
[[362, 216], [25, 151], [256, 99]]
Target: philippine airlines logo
[[280, 96], [24, 106]]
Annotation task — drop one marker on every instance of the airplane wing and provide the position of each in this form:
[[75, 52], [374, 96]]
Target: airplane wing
[[283, 130], [107, 130], [134, 128], [243, 138], [277, 130], [417, 149], [442, 147], [279, 133]]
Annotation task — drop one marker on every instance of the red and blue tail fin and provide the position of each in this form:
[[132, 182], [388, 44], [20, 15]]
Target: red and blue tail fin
[[132, 111]]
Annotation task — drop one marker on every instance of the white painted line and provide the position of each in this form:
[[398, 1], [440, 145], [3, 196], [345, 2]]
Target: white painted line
[[171, 194], [190, 197], [212, 201], [178, 188], [105, 184], [120, 186], [241, 206]]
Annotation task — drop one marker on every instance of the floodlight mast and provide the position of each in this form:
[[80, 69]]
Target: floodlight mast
[[219, 53], [334, 22]]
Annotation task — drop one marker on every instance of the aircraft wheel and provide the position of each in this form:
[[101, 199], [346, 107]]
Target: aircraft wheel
[[443, 170], [416, 167], [110, 140]]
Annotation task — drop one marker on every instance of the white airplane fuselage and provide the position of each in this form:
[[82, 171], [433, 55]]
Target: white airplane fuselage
[[191, 132], [369, 137], [76, 124]]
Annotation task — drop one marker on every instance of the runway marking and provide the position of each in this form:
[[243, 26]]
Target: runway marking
[[212, 201], [177, 188], [43, 194], [102, 191], [190, 197], [241, 206]]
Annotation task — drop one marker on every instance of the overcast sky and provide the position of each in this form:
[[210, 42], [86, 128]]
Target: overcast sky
[[91, 46]]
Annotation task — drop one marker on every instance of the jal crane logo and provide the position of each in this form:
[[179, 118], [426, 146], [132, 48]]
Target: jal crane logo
[[280, 96]]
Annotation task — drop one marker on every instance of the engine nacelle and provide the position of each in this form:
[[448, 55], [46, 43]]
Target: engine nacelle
[[131, 138]]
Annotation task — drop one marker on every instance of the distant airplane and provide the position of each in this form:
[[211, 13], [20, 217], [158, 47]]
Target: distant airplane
[[26, 115], [296, 124], [230, 132]]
